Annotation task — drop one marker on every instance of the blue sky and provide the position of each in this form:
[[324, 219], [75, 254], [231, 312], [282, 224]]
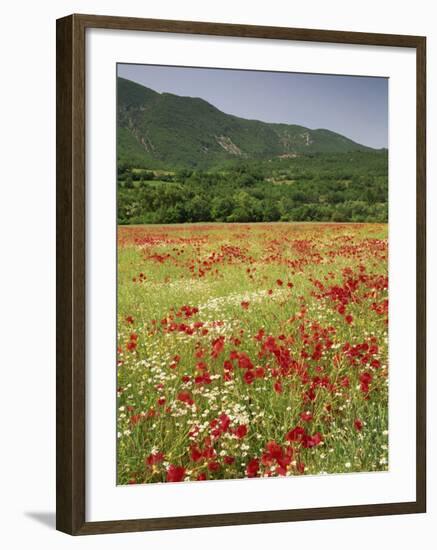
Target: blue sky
[[354, 106]]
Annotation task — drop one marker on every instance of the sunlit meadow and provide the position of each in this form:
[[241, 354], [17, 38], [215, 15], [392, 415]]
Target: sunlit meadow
[[251, 350]]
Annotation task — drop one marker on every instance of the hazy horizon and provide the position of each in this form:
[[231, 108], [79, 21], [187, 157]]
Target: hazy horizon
[[354, 106]]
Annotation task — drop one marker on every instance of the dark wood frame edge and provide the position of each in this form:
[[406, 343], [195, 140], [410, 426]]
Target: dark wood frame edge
[[70, 274]]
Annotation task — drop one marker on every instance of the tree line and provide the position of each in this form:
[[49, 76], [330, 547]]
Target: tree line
[[322, 187]]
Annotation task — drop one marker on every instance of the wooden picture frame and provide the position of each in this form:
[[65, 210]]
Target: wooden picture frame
[[71, 253]]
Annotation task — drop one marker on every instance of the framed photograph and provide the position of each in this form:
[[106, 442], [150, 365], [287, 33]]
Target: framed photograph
[[240, 274]]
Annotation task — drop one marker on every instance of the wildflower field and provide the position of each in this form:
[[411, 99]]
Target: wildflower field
[[251, 350]]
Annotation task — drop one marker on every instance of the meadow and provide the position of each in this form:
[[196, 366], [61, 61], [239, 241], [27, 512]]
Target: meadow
[[251, 350]]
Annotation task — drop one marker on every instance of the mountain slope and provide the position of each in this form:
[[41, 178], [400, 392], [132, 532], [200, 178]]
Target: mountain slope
[[169, 131]]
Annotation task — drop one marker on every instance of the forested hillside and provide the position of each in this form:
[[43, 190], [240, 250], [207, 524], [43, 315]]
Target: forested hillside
[[169, 131]]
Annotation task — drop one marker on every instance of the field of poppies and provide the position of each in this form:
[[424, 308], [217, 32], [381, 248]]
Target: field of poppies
[[251, 350]]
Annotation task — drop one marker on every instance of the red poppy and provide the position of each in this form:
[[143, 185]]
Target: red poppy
[[274, 450], [365, 380], [241, 431], [131, 345], [252, 468], [244, 361], [224, 422], [205, 378], [306, 416], [195, 453], [227, 365], [217, 346], [309, 441], [185, 397], [154, 458], [260, 372], [358, 424], [175, 473], [208, 452], [213, 466], [135, 418], [345, 382], [295, 434]]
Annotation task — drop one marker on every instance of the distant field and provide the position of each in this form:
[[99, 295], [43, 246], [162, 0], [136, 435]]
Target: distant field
[[251, 350]]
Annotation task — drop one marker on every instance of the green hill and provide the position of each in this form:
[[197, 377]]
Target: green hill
[[168, 131]]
